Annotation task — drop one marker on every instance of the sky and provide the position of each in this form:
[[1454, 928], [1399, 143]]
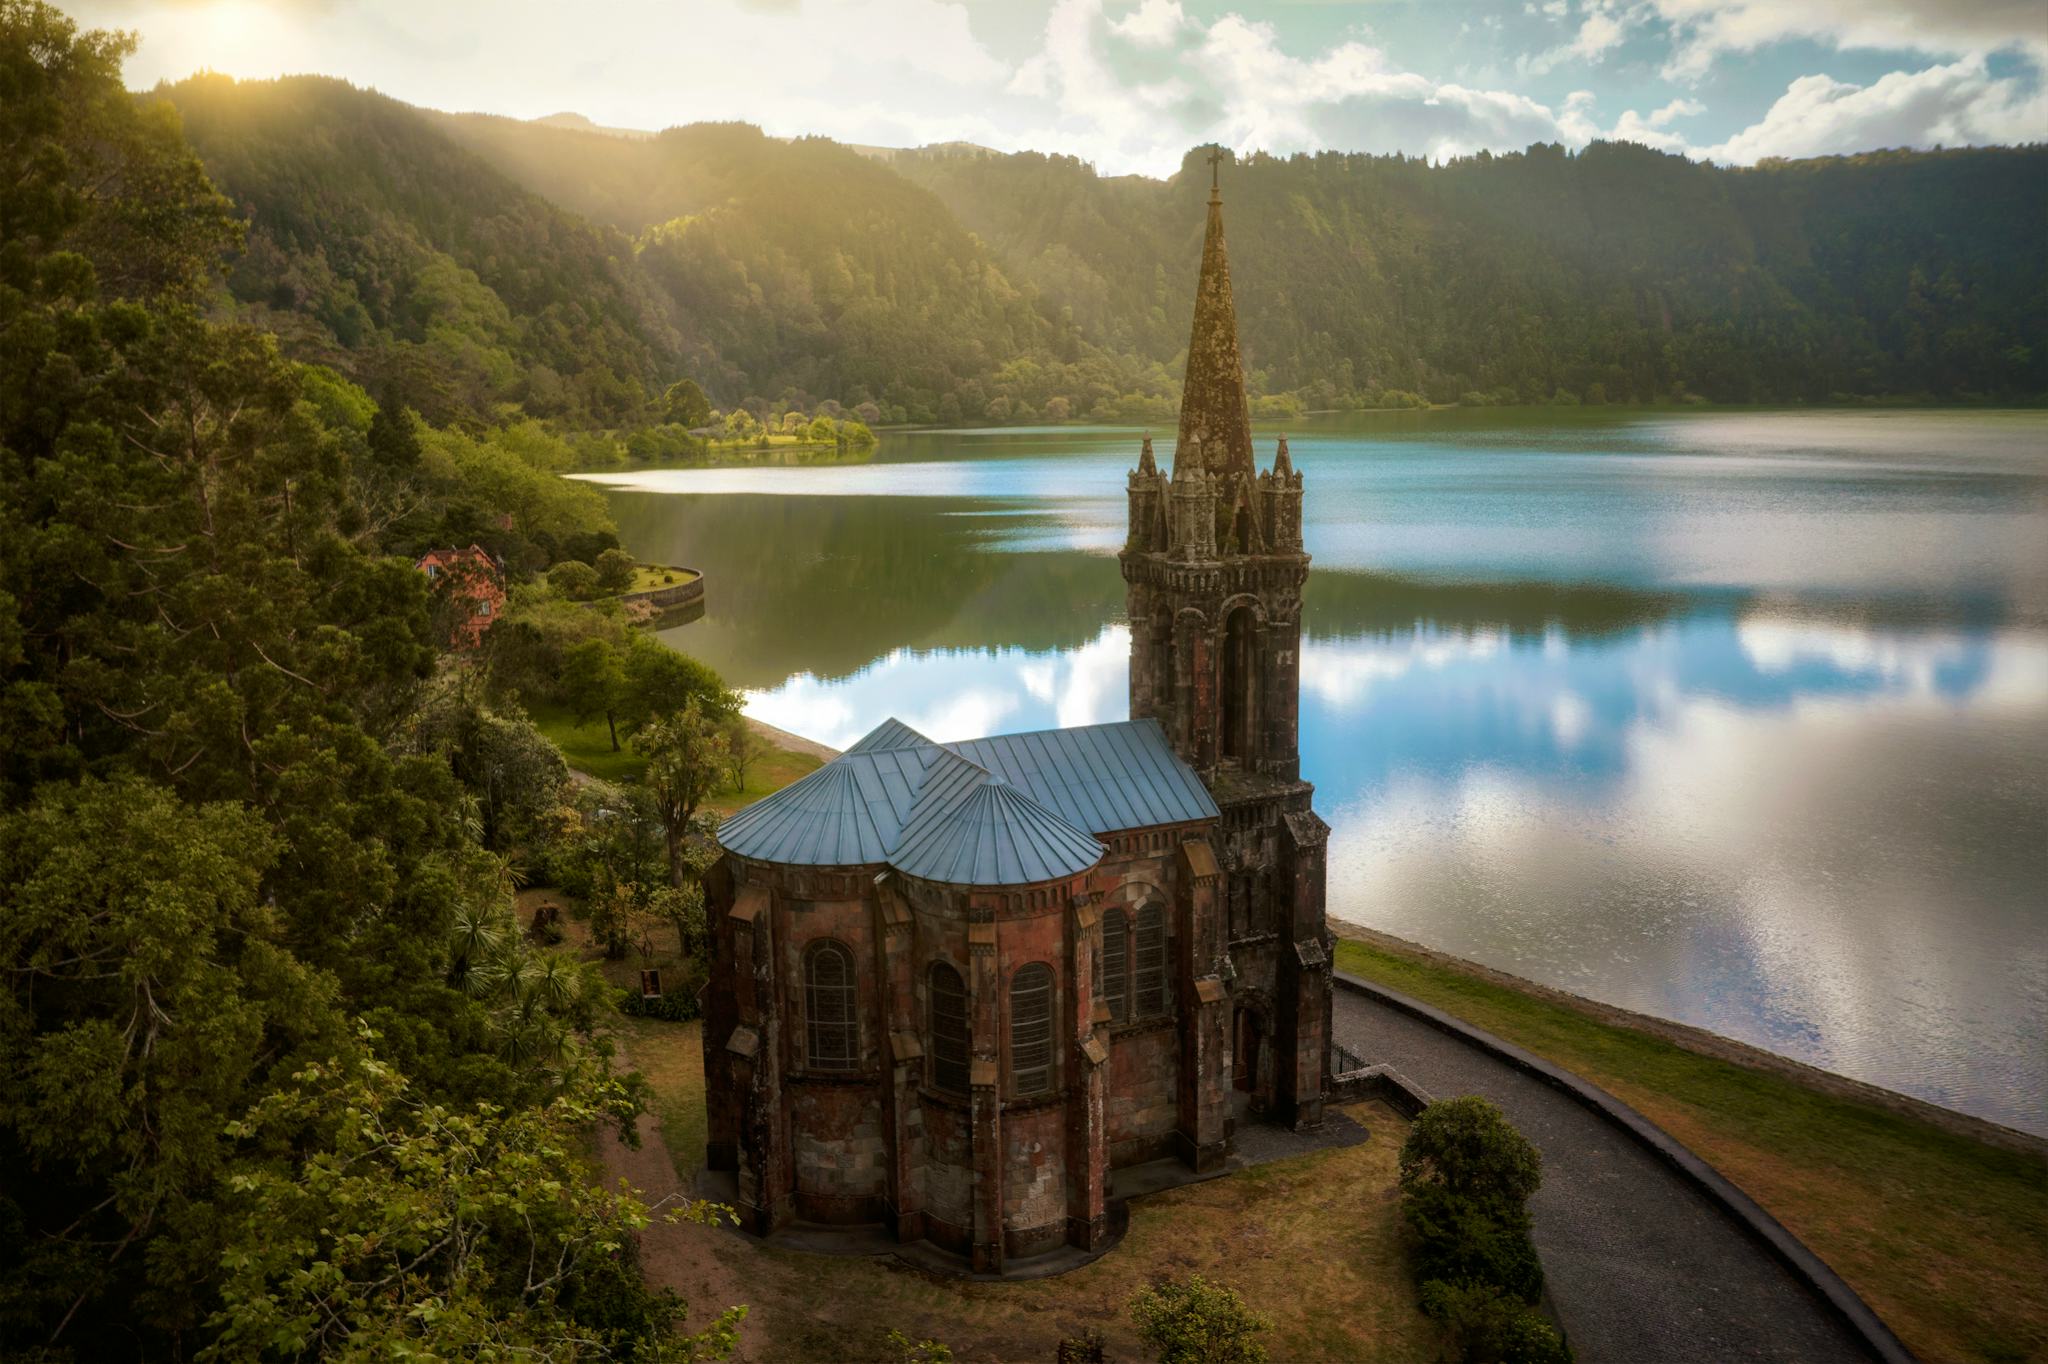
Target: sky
[[1132, 85]]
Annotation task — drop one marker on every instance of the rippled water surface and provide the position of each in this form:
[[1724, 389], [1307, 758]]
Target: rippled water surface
[[1736, 718]]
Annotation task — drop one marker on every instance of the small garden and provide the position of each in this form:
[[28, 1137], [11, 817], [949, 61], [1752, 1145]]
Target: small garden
[[615, 574]]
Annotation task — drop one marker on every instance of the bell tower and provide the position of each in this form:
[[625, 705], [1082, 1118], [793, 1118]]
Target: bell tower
[[1213, 571], [1213, 564]]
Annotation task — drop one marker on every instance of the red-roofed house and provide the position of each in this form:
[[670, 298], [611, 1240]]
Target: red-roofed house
[[471, 585]]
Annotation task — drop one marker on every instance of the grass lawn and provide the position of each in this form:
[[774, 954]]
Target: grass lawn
[[773, 770], [1945, 1237], [649, 577], [587, 747], [1313, 1242]]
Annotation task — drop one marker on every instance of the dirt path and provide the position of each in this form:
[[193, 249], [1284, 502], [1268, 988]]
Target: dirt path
[[681, 1255]]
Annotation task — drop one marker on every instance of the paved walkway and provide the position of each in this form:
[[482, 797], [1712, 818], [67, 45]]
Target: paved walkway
[[1643, 1269]]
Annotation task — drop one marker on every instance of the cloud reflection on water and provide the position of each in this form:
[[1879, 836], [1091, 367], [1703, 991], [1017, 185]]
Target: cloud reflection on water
[[1747, 822]]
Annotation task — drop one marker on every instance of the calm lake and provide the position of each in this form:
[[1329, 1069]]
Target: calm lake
[[1737, 718]]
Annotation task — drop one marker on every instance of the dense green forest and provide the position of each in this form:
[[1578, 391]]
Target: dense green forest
[[281, 1074], [476, 268]]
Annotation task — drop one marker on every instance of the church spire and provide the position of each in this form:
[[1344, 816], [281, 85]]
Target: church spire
[[1215, 424]]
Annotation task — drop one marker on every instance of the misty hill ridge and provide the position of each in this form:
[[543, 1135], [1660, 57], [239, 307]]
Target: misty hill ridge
[[954, 283]]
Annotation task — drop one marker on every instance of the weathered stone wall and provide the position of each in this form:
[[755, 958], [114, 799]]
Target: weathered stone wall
[[841, 1156], [948, 1173], [1144, 1092], [1034, 1177]]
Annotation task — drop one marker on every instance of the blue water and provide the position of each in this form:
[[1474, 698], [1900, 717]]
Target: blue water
[[1739, 719]]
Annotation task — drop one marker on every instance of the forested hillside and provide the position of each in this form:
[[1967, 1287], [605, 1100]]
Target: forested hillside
[[1510, 278], [378, 246], [476, 267], [281, 1073]]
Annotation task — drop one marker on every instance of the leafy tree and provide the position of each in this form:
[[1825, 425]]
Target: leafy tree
[[685, 405], [744, 748], [370, 1222], [149, 986], [394, 441], [615, 570], [686, 758], [1467, 1147], [660, 681], [615, 906], [574, 579], [1193, 1321], [508, 767], [593, 681]]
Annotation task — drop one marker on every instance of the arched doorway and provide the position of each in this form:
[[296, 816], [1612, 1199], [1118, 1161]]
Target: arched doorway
[[1244, 1071]]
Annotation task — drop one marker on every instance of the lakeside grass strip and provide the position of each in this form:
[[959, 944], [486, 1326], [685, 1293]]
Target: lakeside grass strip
[[1944, 1236]]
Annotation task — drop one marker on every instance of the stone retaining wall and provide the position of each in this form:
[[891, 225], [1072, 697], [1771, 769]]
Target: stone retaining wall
[[664, 599]]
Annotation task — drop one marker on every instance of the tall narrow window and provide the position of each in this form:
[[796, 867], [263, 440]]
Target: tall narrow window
[[1116, 964], [1237, 684], [831, 1023], [949, 1036], [1149, 975], [1031, 1029]]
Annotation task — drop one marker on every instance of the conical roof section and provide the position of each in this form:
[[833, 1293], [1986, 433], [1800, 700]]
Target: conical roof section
[[1215, 422], [890, 734], [997, 836], [825, 820]]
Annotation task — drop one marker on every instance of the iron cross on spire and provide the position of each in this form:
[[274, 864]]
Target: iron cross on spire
[[1215, 160]]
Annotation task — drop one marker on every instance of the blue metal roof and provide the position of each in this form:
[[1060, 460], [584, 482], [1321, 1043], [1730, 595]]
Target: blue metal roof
[[1098, 777], [1009, 810], [995, 836]]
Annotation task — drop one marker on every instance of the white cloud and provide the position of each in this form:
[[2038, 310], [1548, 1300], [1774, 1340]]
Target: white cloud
[[1153, 24], [1134, 100], [1678, 108], [1127, 84], [1959, 104], [1600, 32], [1707, 29]]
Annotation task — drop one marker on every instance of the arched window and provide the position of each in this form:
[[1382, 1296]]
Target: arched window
[[1031, 1029], [949, 1036], [1237, 684], [831, 1020], [1149, 969], [1115, 964]]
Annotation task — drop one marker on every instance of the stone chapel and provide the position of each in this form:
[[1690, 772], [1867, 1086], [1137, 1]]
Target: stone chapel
[[957, 986]]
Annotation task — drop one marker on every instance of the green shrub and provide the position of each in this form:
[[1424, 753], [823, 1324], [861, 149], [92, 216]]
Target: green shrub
[[615, 570], [1460, 1241], [574, 579], [1192, 1321], [670, 1006], [1490, 1327], [1468, 1147], [903, 1350]]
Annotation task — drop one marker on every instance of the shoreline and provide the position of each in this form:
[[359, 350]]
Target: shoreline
[[1714, 1046]]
